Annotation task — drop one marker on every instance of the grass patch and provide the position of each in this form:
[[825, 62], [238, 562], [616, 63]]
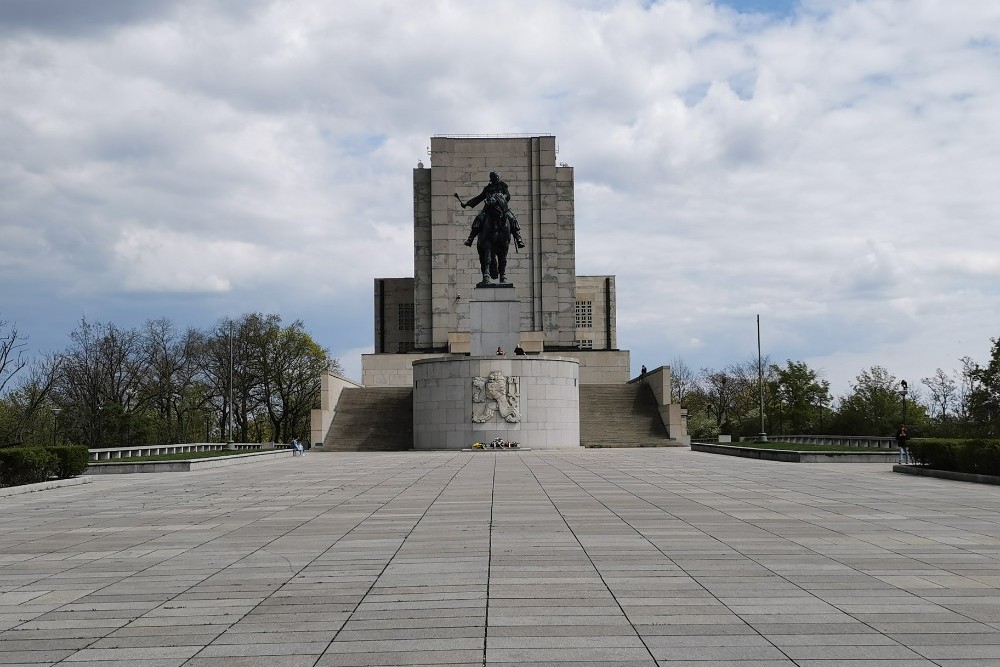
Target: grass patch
[[796, 447], [179, 456]]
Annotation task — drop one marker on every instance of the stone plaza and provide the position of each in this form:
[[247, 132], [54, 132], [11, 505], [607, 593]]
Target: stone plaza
[[634, 557]]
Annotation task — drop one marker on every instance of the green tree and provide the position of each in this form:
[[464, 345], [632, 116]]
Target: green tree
[[291, 366], [984, 397], [800, 395], [875, 405], [275, 372]]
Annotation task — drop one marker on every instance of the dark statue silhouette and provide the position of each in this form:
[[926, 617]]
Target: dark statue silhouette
[[494, 225], [494, 239]]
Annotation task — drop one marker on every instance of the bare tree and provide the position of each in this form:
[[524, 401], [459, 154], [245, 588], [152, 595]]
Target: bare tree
[[100, 386], [966, 385], [26, 417], [172, 378], [12, 359], [682, 380], [943, 389], [720, 390]]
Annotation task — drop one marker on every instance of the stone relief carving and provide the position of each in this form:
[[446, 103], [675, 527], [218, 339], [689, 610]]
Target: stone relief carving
[[496, 393]]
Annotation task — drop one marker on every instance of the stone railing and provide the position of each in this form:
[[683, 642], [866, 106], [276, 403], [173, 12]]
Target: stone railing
[[111, 453], [869, 441]]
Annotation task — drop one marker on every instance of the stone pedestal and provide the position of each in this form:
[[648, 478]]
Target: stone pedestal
[[534, 401], [494, 320]]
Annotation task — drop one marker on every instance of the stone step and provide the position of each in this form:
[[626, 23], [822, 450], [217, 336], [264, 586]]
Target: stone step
[[372, 419], [621, 415]]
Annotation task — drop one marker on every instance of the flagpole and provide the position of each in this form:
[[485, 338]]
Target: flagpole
[[760, 384]]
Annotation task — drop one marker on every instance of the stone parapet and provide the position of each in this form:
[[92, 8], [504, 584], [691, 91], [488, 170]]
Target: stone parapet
[[393, 370], [600, 366]]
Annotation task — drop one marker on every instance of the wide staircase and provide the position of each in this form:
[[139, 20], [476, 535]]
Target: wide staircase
[[372, 419], [621, 415], [611, 415]]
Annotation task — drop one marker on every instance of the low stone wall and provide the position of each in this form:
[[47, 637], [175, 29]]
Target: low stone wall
[[111, 453], [874, 441], [42, 486], [796, 457], [112, 468], [921, 471]]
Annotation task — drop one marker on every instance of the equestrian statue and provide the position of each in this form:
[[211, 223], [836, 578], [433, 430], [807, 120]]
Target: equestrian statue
[[494, 225]]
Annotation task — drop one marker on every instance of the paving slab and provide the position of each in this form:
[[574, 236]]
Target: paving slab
[[594, 557]]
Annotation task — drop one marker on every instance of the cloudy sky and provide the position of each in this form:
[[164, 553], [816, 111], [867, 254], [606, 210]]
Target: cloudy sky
[[831, 165]]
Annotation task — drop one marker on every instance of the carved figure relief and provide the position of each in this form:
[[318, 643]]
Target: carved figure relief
[[496, 393]]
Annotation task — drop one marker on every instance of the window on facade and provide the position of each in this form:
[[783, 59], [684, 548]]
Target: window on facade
[[585, 344], [584, 314], [406, 317]]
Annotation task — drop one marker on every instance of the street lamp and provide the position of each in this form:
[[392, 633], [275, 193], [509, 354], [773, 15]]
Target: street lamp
[[905, 387]]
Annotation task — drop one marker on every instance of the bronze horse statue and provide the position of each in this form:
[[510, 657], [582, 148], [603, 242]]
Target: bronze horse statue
[[494, 240]]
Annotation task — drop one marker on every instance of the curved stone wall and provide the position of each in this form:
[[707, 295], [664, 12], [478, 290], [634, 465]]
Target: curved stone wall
[[534, 401]]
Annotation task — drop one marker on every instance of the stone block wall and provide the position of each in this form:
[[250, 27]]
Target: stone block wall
[[395, 318], [599, 293]]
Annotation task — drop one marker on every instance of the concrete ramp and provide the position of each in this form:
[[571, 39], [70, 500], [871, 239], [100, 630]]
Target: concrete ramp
[[621, 415], [372, 419]]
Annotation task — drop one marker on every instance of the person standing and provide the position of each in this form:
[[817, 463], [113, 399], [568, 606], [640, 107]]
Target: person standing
[[904, 450]]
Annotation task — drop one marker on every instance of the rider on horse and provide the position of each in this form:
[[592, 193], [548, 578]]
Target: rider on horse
[[495, 186]]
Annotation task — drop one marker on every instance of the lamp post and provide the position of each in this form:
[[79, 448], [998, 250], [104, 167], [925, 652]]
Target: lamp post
[[905, 388], [55, 423]]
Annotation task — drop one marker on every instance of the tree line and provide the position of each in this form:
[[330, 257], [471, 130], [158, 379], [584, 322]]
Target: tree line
[[797, 400], [248, 379]]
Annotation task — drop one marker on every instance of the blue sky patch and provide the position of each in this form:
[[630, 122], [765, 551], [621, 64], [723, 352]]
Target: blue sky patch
[[773, 7]]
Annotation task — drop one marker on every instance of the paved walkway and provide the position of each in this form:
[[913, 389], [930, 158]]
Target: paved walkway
[[597, 557]]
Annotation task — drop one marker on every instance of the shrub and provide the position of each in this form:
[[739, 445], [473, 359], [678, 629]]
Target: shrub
[[981, 457], [71, 460], [25, 465]]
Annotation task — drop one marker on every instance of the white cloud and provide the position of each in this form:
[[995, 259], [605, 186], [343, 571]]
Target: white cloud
[[831, 168]]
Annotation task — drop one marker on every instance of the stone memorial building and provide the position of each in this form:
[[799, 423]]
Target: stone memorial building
[[549, 311]]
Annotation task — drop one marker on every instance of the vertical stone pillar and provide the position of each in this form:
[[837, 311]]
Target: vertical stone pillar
[[494, 320]]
